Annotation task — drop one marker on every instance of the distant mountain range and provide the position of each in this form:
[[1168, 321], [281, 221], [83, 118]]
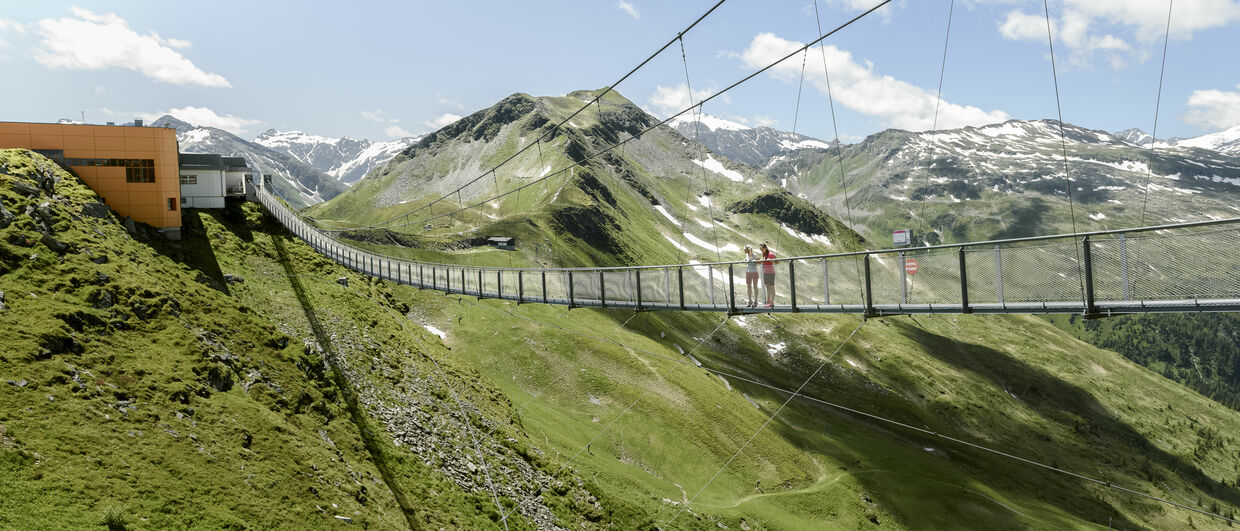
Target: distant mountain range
[[346, 159], [1227, 141], [751, 145], [309, 169]]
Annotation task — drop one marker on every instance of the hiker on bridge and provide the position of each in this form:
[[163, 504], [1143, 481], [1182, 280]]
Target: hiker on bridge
[[751, 277], [768, 274]]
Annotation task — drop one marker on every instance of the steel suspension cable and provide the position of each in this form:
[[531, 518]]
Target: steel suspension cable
[[697, 127], [1063, 145], [605, 91], [1149, 168], [686, 505], [938, 100], [839, 147], [721, 92]]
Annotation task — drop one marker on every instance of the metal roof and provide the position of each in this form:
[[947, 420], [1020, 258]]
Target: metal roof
[[235, 163], [201, 161]]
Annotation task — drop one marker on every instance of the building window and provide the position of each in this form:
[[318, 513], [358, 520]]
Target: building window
[[172, 203], [189, 179], [139, 174], [183, 201]]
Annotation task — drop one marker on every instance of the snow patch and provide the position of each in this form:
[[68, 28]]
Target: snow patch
[[776, 347], [667, 215], [713, 165], [436, 331]]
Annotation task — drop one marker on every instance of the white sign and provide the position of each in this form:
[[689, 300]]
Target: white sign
[[900, 237]]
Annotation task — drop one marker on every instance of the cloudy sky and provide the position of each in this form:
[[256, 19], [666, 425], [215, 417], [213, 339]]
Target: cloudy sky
[[382, 70]]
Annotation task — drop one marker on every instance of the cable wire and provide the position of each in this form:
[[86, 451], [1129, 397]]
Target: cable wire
[[616, 145], [686, 505], [1149, 168], [1063, 145], [938, 101], [597, 98]]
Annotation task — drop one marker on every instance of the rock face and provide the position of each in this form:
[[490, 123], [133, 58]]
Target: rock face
[[752, 145], [346, 159]]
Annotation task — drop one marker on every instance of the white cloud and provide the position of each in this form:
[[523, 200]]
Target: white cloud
[[629, 8], [88, 41], [442, 120], [1119, 31], [8, 24], [1216, 109], [858, 87], [204, 117], [396, 131], [671, 100], [100, 90], [377, 116]]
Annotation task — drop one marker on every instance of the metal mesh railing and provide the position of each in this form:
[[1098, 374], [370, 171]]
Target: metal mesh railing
[[1186, 267]]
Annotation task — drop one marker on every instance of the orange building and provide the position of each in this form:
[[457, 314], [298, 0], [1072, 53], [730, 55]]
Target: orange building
[[134, 169]]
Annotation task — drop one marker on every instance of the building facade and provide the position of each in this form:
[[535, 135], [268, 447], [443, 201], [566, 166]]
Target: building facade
[[134, 169], [207, 179]]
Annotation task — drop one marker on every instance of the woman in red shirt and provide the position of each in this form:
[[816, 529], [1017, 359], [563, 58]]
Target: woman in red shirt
[[768, 274]]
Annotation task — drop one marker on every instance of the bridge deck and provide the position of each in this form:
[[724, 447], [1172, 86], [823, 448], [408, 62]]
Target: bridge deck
[[1165, 269]]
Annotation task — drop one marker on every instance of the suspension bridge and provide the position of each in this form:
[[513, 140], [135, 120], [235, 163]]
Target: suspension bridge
[[1169, 268], [1182, 267]]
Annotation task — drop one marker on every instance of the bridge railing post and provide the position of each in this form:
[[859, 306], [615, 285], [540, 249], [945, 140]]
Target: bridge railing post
[[637, 282], [1089, 277], [480, 294], [869, 291], [570, 288], [710, 282], [792, 284], [680, 285], [520, 287], [731, 289], [602, 289], [964, 282], [544, 286]]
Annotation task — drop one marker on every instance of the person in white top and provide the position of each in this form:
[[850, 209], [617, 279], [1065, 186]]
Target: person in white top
[[751, 276]]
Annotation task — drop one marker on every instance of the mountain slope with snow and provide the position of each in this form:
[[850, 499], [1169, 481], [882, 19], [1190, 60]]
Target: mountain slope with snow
[[346, 159], [299, 183], [751, 145], [1007, 180]]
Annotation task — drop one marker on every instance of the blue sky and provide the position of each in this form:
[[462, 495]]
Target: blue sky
[[377, 70]]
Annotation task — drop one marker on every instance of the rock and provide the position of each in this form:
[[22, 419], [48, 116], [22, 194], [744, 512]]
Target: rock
[[95, 210], [105, 300], [45, 214], [52, 243], [2, 306], [343, 281], [18, 383], [103, 278], [6, 217], [130, 226], [233, 279], [344, 519], [101, 259], [24, 188]]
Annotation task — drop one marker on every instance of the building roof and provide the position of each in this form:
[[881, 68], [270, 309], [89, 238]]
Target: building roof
[[236, 163], [500, 239], [201, 161]]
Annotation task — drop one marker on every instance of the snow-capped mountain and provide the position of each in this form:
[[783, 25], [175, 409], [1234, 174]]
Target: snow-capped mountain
[[1007, 180], [741, 143], [346, 159], [1135, 136], [299, 183], [1223, 141]]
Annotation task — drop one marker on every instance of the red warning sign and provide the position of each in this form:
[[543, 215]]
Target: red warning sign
[[910, 266]]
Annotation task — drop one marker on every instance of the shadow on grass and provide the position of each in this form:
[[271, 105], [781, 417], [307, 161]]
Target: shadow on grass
[[370, 438], [1069, 406], [194, 249]]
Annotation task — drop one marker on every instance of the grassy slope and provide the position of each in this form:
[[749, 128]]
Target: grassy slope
[[233, 418]]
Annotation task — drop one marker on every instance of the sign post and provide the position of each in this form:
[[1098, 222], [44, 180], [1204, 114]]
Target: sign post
[[901, 238]]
